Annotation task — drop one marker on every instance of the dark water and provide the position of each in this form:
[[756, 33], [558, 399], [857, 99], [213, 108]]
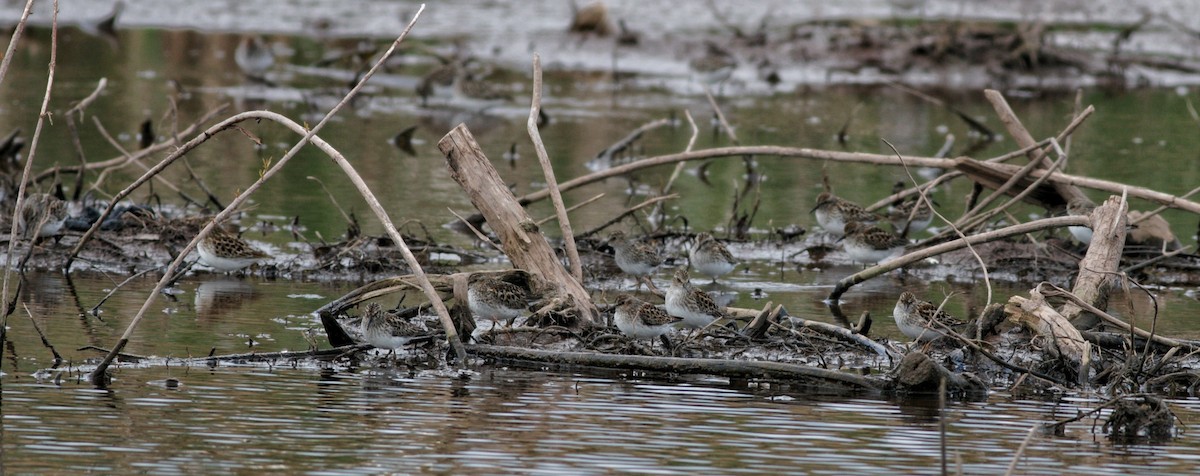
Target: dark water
[[509, 421], [371, 420]]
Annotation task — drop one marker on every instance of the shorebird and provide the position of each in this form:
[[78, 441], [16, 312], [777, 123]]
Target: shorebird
[[254, 56], [900, 211], [495, 299], [225, 252], [710, 257], [641, 320], [45, 212], [387, 331], [833, 213], [921, 320], [695, 307], [635, 258], [869, 244], [1084, 208]]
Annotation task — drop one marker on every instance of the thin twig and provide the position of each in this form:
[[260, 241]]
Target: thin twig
[[16, 37], [46, 342], [627, 212], [569, 209], [43, 114], [95, 309], [678, 167], [332, 199], [721, 117], [564, 222], [478, 234]]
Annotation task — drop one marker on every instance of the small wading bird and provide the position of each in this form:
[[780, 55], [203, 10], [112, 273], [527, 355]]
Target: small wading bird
[[710, 257], [834, 213], [387, 331], [41, 215], [921, 320], [695, 307], [1083, 234], [869, 244], [495, 299], [254, 57], [641, 320], [635, 258], [225, 252]]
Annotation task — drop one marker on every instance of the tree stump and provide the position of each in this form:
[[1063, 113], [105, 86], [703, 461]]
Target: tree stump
[[520, 237]]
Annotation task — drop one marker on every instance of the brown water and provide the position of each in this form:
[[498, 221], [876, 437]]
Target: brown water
[[494, 420]]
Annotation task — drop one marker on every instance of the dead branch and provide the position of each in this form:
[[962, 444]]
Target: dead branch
[[727, 368], [564, 223], [1067, 192]]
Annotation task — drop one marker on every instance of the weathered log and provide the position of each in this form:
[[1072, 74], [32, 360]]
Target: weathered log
[[919, 373], [725, 368], [1041, 318], [1098, 267], [520, 237]]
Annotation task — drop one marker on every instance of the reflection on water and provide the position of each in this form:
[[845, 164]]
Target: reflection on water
[[504, 422]]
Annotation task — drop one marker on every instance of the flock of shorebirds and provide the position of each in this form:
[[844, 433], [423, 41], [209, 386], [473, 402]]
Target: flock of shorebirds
[[684, 304], [854, 227]]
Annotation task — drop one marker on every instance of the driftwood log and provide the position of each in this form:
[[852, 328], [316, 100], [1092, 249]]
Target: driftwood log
[[1041, 318], [721, 367], [520, 237]]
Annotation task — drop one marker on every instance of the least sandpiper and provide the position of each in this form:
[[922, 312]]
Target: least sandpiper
[[869, 244], [635, 258], [494, 299], [710, 257], [387, 331], [1083, 234], [439, 82], [225, 252], [833, 213], [471, 92], [45, 212], [921, 320], [694, 306], [641, 320], [900, 211], [254, 56]]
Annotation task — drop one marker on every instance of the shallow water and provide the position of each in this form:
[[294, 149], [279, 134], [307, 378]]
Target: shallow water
[[369, 420], [510, 421]]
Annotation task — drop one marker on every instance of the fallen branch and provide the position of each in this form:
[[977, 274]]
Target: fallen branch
[[721, 367]]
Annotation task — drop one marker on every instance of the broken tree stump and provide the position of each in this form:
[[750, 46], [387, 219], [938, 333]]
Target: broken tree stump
[[520, 237], [1098, 268], [919, 373]]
